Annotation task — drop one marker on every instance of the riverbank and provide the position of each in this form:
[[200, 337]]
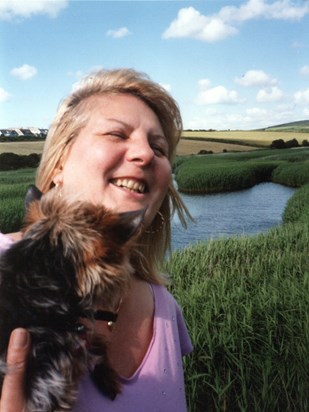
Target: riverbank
[[235, 171], [246, 303]]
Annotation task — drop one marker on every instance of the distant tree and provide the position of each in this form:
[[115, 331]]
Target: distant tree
[[203, 152], [278, 144], [13, 161], [292, 143], [305, 143]]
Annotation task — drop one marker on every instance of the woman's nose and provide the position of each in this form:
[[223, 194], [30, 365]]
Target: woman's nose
[[139, 150]]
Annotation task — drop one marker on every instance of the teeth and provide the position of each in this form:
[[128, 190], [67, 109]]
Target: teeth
[[130, 184]]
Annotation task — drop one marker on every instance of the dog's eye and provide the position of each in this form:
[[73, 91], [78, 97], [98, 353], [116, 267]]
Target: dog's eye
[[79, 328]]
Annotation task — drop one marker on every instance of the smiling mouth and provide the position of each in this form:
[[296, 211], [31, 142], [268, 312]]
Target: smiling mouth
[[131, 185]]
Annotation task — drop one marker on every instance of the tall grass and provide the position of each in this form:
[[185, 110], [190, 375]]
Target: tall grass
[[297, 208], [292, 174], [13, 186], [246, 303], [217, 173]]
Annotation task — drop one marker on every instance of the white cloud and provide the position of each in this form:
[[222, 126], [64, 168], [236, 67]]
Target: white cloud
[[191, 23], [10, 9], [306, 111], [24, 72], [304, 70], [302, 96], [167, 87], [118, 33], [255, 78], [254, 9], [271, 94], [77, 74], [216, 95], [204, 84], [4, 95]]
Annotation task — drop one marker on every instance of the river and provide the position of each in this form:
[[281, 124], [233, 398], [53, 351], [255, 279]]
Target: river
[[245, 212]]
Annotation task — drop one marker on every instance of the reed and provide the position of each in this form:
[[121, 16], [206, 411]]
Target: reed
[[235, 171], [297, 209], [292, 174], [246, 304], [13, 186]]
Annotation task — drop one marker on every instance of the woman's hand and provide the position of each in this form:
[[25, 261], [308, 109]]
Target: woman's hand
[[13, 397]]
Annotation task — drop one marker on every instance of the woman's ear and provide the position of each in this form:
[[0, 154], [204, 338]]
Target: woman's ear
[[58, 176]]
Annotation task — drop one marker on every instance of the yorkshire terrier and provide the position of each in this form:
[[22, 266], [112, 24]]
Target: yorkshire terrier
[[72, 260]]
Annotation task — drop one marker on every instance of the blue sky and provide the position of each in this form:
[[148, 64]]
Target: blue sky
[[230, 64]]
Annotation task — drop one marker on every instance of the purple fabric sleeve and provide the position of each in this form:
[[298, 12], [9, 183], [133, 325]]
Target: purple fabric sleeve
[[5, 242], [158, 383]]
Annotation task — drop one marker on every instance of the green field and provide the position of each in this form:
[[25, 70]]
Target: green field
[[233, 171], [21, 148], [250, 137]]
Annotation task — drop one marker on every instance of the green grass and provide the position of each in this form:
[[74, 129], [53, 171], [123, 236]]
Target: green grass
[[235, 171], [246, 303], [13, 186], [246, 300]]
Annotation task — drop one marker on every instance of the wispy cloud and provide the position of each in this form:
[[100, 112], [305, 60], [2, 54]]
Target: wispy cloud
[[167, 87], [10, 9], [216, 95], [268, 95], [302, 96], [4, 95], [304, 71], [210, 28], [24, 72], [255, 78], [118, 33]]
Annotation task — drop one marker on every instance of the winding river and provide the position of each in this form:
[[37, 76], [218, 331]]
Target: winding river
[[245, 212]]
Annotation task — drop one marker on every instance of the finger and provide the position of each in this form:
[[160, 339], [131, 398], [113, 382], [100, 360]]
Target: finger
[[13, 397]]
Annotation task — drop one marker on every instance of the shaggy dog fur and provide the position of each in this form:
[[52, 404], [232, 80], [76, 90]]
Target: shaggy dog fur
[[72, 260]]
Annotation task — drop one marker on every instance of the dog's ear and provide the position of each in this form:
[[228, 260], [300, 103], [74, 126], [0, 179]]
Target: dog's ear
[[131, 223], [33, 193]]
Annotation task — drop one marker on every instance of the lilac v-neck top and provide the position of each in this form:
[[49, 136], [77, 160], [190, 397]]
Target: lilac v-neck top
[[158, 384]]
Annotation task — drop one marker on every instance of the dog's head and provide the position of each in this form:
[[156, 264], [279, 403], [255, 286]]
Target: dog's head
[[95, 241]]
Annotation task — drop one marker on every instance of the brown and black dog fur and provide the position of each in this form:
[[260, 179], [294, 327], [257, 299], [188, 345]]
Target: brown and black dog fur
[[73, 258]]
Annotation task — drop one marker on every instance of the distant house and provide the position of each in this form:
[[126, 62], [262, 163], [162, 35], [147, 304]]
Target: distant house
[[9, 133], [43, 132], [26, 132]]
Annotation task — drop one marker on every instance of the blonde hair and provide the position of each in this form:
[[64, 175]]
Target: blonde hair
[[73, 114]]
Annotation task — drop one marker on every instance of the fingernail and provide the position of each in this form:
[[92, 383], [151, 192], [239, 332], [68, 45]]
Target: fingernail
[[19, 338]]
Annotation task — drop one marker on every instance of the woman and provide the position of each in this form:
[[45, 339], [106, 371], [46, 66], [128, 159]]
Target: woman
[[112, 142]]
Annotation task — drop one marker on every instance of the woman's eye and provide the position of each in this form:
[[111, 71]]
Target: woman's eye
[[159, 150], [117, 134]]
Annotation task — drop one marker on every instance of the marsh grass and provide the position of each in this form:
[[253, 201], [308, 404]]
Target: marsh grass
[[13, 186], [246, 303], [235, 171]]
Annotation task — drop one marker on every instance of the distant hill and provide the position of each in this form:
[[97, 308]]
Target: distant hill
[[300, 126]]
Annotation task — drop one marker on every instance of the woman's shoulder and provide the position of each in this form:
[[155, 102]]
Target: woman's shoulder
[[163, 296], [168, 312]]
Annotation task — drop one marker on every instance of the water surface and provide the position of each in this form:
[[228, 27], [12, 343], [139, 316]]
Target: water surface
[[245, 212]]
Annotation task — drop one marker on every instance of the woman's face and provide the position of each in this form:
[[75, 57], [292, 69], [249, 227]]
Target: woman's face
[[120, 158]]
